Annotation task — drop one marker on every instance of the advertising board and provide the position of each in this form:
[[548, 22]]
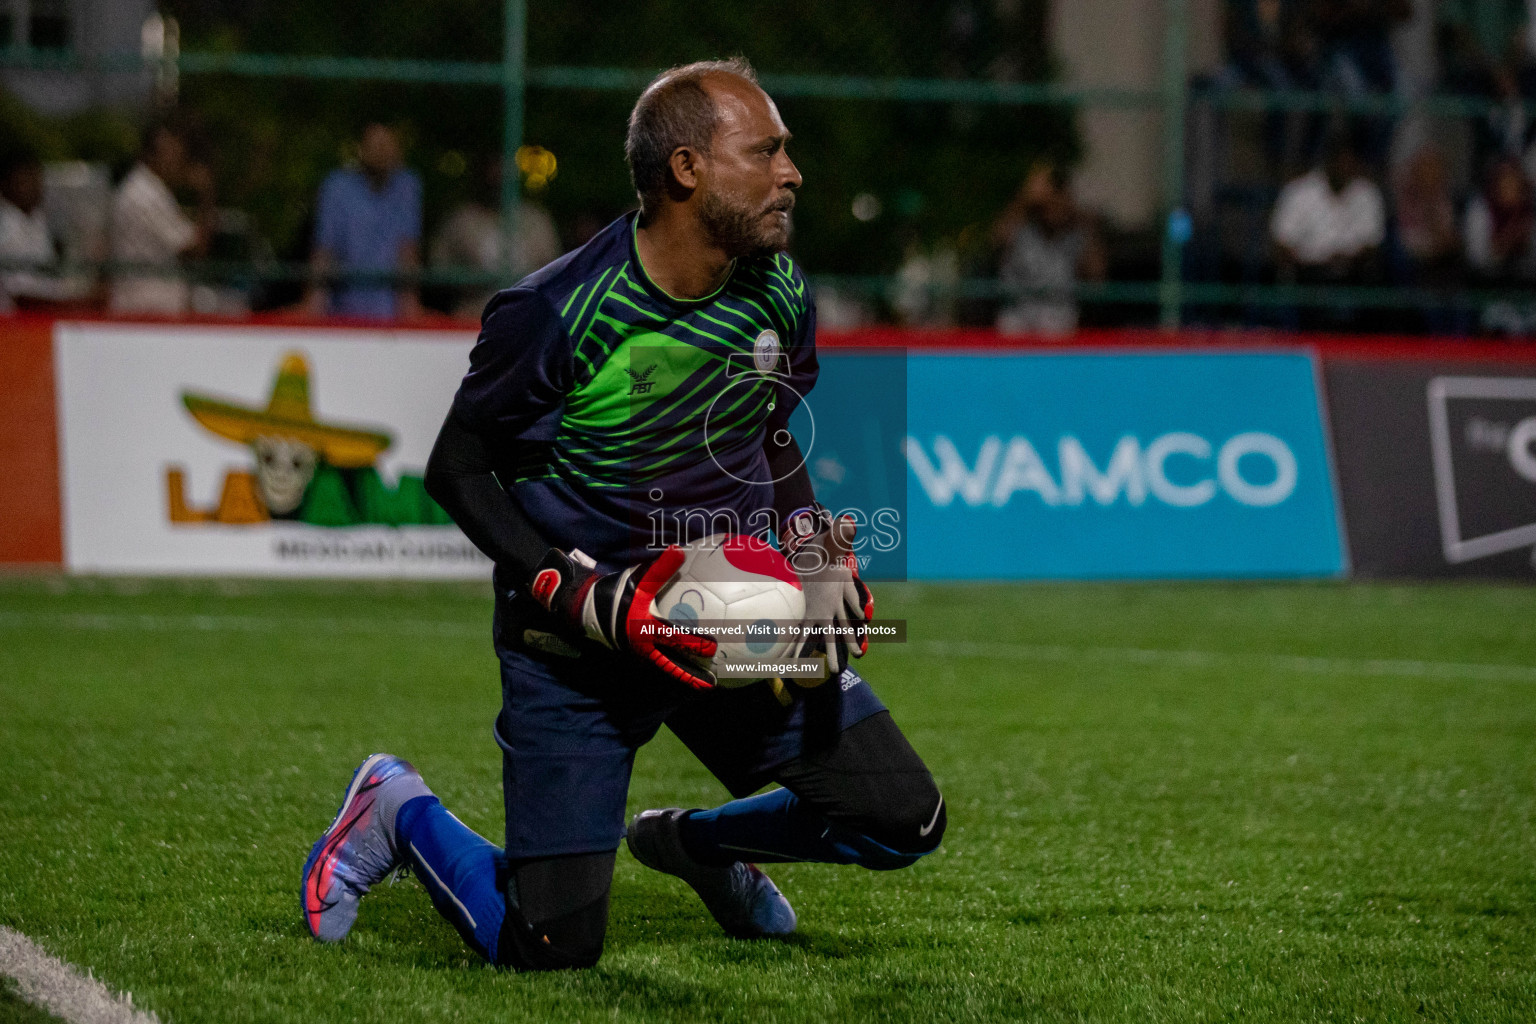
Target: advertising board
[[1119, 465], [853, 451], [29, 465], [258, 452], [1437, 466]]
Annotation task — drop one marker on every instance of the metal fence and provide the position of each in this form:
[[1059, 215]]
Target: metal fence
[[1171, 294]]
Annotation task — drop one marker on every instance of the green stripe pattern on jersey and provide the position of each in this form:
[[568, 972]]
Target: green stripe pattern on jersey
[[661, 386]]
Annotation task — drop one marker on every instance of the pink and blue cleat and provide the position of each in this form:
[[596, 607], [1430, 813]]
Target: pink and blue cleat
[[358, 851]]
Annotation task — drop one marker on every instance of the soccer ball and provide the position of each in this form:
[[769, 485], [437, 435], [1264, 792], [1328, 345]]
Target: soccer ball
[[742, 583]]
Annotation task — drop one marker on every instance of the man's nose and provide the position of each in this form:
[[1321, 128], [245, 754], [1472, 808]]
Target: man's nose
[[789, 174]]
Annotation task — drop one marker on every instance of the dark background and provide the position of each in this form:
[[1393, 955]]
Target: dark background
[[939, 170]]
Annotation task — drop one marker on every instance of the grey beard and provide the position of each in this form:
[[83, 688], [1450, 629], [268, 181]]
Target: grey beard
[[737, 230]]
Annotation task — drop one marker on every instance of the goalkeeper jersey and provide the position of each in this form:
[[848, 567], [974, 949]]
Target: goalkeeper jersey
[[622, 418]]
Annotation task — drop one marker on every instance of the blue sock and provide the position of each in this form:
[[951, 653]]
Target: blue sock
[[461, 871], [776, 827], [770, 827]]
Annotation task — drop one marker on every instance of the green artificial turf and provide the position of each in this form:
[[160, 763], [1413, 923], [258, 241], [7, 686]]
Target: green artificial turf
[[1180, 802], [14, 1010]]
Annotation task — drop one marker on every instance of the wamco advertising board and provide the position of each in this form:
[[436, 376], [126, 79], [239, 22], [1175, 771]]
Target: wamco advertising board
[[1119, 465], [1437, 463], [263, 452]]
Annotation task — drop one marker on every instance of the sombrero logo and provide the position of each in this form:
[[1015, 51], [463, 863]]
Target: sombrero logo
[[304, 468]]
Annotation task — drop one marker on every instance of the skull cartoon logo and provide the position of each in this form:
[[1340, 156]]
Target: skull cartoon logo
[[284, 468]]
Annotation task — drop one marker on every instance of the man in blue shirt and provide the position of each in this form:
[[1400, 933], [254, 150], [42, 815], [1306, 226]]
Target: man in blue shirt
[[368, 218]]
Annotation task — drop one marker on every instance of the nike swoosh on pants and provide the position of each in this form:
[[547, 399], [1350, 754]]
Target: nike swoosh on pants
[[933, 820]]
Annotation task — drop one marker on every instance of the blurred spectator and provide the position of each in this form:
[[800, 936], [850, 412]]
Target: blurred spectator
[[1048, 247], [1356, 41], [926, 285], [1505, 130], [1476, 37], [841, 309], [149, 229], [29, 252], [1269, 46], [1499, 227], [1426, 219], [1483, 51], [471, 239], [368, 219], [1428, 249], [1329, 223]]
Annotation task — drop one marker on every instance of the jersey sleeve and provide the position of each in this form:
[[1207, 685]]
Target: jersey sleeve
[[803, 367], [520, 370]]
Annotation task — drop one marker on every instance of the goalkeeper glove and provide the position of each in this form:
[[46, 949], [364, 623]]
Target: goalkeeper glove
[[615, 609], [838, 606]]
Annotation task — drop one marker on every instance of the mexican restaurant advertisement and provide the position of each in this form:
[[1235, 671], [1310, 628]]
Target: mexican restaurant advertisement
[[263, 452]]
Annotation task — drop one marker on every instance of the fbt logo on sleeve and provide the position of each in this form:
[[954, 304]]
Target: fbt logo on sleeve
[[1253, 468], [1114, 465]]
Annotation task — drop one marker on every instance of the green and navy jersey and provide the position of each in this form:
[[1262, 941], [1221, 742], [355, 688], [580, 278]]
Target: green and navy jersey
[[618, 412]]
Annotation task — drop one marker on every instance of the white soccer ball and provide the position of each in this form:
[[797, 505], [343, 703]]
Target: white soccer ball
[[742, 583]]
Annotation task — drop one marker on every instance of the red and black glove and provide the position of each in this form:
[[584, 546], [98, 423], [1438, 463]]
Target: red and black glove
[[615, 609], [838, 606]]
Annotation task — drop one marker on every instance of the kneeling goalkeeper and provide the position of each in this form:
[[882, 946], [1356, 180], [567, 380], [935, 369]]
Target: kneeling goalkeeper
[[645, 376]]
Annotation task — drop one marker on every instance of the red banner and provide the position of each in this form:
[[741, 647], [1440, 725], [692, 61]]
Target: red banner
[[29, 446]]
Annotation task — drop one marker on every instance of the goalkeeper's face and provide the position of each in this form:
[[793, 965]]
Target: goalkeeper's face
[[747, 181]]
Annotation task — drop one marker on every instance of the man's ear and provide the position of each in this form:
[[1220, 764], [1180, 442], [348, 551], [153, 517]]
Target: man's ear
[[684, 163]]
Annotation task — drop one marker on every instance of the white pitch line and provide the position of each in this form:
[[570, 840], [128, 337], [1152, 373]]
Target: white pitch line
[[61, 989], [1305, 664], [1233, 661]]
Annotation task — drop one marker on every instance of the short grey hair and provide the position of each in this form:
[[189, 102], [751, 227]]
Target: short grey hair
[[674, 110]]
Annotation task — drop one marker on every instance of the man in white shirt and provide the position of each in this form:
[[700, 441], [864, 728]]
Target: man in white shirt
[[28, 252], [1329, 223], [471, 238], [1049, 247], [150, 230]]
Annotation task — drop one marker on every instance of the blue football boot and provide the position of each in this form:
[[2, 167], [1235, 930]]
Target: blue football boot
[[358, 851]]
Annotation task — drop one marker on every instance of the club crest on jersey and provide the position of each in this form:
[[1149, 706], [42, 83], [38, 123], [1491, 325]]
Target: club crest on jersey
[[765, 351], [641, 383]]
